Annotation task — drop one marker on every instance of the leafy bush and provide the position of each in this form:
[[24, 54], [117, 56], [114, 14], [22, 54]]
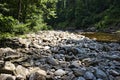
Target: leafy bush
[[7, 24]]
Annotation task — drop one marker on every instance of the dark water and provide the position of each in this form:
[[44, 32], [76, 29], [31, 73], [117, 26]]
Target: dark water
[[99, 36]]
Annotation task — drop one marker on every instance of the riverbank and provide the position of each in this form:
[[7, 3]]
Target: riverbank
[[58, 55]]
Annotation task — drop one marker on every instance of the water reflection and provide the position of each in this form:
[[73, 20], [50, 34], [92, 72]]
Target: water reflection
[[99, 36]]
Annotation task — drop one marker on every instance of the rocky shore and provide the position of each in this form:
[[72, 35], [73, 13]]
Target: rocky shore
[[58, 55]]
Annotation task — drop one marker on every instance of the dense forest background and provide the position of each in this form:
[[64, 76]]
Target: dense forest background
[[23, 16]]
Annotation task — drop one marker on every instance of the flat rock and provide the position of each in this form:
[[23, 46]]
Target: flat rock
[[100, 74], [7, 77], [89, 76], [38, 70], [60, 72], [52, 61], [9, 66], [36, 76], [4, 50], [21, 71], [78, 72], [114, 73], [76, 63], [81, 78]]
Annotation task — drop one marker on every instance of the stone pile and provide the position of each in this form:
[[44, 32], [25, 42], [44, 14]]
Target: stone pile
[[58, 55]]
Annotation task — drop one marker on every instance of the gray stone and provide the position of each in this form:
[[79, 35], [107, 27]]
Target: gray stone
[[114, 73], [81, 78], [60, 72], [52, 61], [36, 76], [118, 78], [76, 63], [88, 75], [78, 72], [100, 74], [87, 61], [114, 57], [78, 50], [99, 79]]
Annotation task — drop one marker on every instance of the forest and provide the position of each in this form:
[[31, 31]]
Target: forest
[[23, 16]]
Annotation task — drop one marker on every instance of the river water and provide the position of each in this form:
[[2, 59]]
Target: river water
[[105, 37]]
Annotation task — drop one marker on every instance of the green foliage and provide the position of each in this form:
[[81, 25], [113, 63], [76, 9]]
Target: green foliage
[[21, 29], [7, 24], [88, 13], [22, 16]]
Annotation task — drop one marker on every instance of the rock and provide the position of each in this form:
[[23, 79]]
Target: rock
[[60, 72], [93, 46], [69, 58], [21, 71], [118, 78], [87, 61], [4, 50], [99, 79], [76, 63], [25, 42], [7, 77], [36, 45], [36, 76], [46, 47], [61, 52], [114, 73], [70, 76], [9, 66], [78, 51], [81, 78], [78, 72], [52, 61], [57, 56], [114, 57], [38, 70], [11, 57], [100, 74], [1, 63], [89, 76]]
